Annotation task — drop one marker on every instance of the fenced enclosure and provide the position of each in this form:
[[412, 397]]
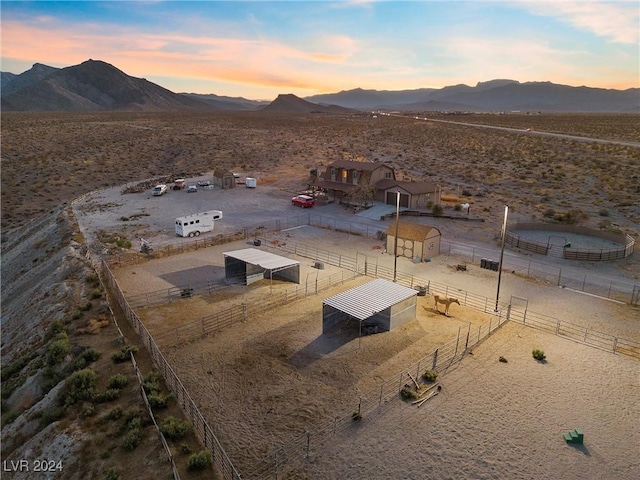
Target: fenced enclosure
[[369, 402], [626, 292]]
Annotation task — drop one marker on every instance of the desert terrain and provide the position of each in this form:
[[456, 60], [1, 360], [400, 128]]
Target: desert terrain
[[50, 159]]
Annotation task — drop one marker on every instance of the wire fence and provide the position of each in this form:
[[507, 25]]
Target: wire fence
[[370, 402]]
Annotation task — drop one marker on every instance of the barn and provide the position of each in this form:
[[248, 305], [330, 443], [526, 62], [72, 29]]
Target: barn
[[379, 305], [414, 240], [252, 265]]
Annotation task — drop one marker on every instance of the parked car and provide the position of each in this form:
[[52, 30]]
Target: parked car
[[179, 184], [204, 183], [304, 201], [192, 188], [159, 190]]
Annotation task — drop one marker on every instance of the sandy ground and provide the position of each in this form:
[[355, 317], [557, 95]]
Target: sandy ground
[[497, 420], [265, 381]]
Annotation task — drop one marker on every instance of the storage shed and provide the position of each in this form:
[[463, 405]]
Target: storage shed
[[224, 179], [381, 304], [414, 240], [253, 265]]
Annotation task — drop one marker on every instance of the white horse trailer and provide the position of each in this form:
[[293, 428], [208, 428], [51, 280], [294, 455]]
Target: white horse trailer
[[250, 182], [195, 224]]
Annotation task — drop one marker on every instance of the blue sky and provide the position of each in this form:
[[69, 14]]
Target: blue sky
[[259, 49]]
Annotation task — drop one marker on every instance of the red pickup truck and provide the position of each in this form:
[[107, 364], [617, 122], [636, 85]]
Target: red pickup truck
[[303, 201]]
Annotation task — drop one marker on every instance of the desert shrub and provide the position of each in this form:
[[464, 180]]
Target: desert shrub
[[502, 360], [81, 385], [88, 409], [118, 381], [76, 315], [57, 327], [89, 354], [356, 416], [538, 354], [108, 395], [603, 212], [51, 415], [131, 439], [92, 279], [111, 474], [15, 367], [199, 461], [157, 400], [549, 213], [58, 349], [408, 394], [457, 207], [430, 376], [185, 448], [153, 382], [8, 418], [96, 294], [115, 413], [174, 428], [437, 210], [124, 354]]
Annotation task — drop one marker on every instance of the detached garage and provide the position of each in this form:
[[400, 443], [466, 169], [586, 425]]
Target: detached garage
[[414, 240], [381, 304], [253, 265]]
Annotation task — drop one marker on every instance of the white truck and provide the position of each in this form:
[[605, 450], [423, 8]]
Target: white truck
[[195, 224]]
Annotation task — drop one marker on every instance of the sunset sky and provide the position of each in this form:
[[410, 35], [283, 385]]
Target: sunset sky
[[259, 49]]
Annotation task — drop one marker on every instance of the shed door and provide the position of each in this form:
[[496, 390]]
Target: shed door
[[392, 199]]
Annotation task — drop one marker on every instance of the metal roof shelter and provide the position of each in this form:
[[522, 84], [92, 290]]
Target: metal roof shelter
[[378, 303], [254, 264]]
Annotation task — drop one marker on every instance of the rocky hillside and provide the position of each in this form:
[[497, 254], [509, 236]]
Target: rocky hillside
[[289, 103], [66, 396]]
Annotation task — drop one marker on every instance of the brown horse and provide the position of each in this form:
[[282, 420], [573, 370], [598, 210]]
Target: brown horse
[[446, 302]]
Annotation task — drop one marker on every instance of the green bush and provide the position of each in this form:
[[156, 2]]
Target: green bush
[[538, 354], [184, 448], [124, 354], [408, 394], [57, 327], [131, 439], [108, 395], [430, 376], [81, 385], [96, 294], [51, 415], [153, 382], [356, 416], [118, 381], [115, 413], [85, 307], [437, 210], [199, 461], [174, 428], [157, 400], [88, 409], [58, 349], [111, 474]]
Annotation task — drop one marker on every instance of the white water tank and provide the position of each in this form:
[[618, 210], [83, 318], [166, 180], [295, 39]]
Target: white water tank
[[250, 182]]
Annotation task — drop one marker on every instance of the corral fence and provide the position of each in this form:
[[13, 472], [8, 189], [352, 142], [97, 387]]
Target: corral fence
[[589, 283], [202, 429], [625, 244], [193, 330], [372, 402]]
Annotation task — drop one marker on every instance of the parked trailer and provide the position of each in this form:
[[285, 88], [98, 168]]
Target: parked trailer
[[250, 182], [195, 224]]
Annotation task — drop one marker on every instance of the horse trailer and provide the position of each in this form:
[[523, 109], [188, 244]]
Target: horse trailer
[[195, 224]]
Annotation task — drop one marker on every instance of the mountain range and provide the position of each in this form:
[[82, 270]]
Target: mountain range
[[96, 85]]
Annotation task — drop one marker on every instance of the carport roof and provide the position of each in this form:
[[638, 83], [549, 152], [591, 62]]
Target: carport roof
[[368, 299], [262, 259]]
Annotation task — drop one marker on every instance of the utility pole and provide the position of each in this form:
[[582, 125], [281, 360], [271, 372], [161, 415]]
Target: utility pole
[[504, 235], [395, 237]]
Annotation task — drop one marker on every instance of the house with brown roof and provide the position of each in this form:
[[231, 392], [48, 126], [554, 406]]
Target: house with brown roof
[[362, 181], [346, 177], [414, 240]]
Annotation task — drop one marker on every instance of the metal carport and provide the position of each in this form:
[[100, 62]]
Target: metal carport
[[378, 303], [252, 265]]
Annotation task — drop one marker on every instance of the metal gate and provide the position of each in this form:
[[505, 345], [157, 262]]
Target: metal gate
[[518, 309]]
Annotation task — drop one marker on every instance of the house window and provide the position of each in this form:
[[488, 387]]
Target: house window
[[387, 174], [344, 176], [333, 174], [356, 176]]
